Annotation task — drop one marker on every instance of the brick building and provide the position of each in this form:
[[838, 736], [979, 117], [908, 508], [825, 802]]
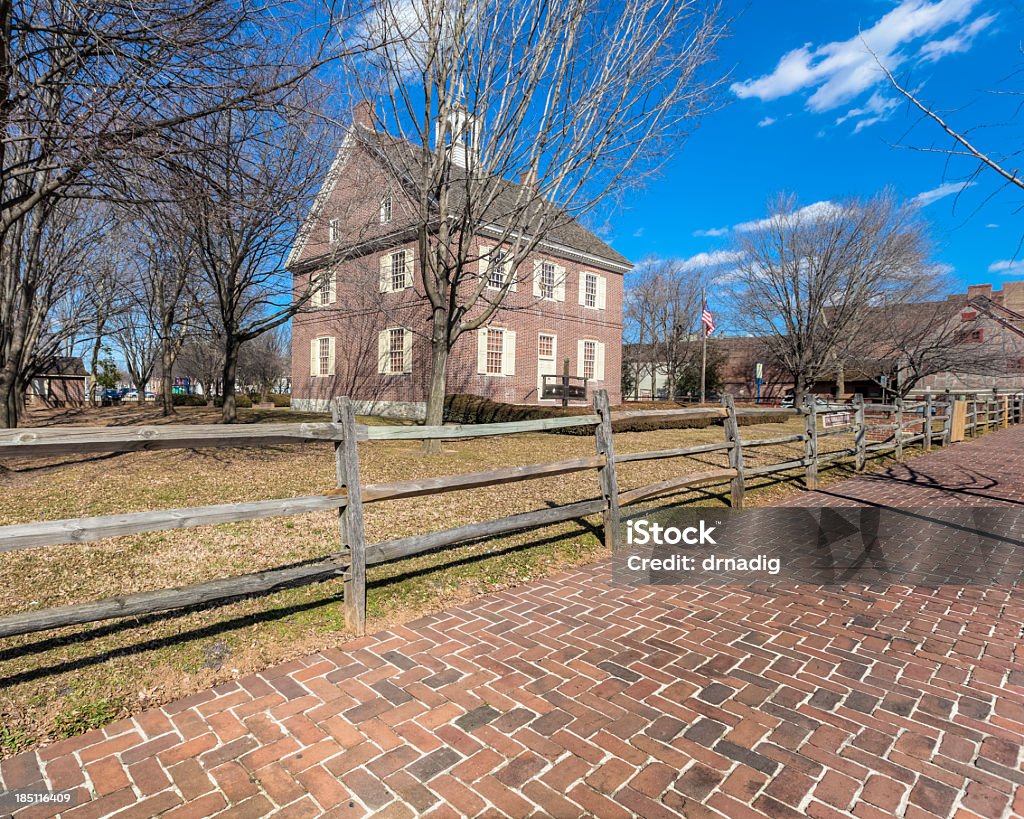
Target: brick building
[[366, 334]]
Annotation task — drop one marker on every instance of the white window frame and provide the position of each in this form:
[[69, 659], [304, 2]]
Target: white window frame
[[327, 292], [387, 273], [556, 290], [387, 352], [387, 209], [597, 360], [322, 356], [547, 291], [334, 231], [506, 364], [599, 292]]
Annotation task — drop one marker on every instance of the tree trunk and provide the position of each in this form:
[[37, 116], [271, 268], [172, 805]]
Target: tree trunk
[[438, 381], [229, 412], [166, 384], [8, 404], [94, 361]]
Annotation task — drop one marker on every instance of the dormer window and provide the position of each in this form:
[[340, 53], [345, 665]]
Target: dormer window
[[385, 209]]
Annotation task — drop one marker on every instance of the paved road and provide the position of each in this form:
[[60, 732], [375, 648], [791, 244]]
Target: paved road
[[570, 697]]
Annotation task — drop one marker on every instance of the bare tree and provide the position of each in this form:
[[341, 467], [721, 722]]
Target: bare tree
[[806, 277], [577, 99], [244, 191], [264, 360], [962, 142], [662, 313], [45, 259], [87, 87]]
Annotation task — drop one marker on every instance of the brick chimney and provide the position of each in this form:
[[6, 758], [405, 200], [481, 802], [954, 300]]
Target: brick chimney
[[528, 179], [362, 115]]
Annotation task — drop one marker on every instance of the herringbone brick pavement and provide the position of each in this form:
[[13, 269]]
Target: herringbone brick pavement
[[572, 697]]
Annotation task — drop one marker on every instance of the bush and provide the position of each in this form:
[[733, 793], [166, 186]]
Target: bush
[[187, 400], [474, 409], [280, 399]]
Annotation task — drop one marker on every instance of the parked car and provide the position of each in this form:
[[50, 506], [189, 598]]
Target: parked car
[[133, 395], [110, 397]]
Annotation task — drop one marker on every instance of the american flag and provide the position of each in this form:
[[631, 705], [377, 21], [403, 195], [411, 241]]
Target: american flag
[[707, 320]]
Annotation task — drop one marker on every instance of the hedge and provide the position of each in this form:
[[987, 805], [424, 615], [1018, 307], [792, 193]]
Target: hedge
[[188, 400], [474, 409]]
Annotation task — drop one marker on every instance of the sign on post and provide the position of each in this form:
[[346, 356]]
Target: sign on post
[[565, 387], [832, 420]]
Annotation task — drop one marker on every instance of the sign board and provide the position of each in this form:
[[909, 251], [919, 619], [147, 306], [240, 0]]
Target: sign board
[[565, 387], [831, 420], [759, 371]]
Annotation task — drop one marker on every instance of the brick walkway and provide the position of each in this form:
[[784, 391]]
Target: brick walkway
[[570, 697]]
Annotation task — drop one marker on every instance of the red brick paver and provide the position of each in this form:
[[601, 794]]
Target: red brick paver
[[572, 697]]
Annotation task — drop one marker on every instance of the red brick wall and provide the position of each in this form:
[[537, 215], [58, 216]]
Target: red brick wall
[[361, 311]]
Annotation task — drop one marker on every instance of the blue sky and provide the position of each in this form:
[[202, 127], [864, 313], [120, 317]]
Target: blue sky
[[807, 112]]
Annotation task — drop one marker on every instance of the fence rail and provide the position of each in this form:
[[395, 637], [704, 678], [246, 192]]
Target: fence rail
[[355, 554]]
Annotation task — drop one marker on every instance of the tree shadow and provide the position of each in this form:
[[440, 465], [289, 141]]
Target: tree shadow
[[215, 629]]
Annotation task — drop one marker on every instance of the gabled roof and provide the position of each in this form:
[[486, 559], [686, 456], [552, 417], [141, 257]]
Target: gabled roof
[[64, 366], [405, 160]]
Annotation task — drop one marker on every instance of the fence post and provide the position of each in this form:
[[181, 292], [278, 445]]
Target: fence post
[[350, 517], [606, 473], [899, 429], [811, 442], [928, 418], [732, 435], [947, 423], [974, 416], [860, 434]]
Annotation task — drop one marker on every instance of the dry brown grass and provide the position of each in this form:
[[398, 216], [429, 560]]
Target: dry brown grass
[[67, 681]]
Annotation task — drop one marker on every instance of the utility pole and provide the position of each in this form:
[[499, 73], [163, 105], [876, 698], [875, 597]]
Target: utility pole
[[703, 346]]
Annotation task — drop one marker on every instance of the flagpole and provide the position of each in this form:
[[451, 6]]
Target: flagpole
[[703, 345]]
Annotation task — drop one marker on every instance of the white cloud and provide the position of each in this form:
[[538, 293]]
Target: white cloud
[[992, 225], [956, 43], [878, 108], [817, 210], [766, 122], [1008, 267], [712, 232], [716, 258], [925, 198], [841, 70], [638, 233]]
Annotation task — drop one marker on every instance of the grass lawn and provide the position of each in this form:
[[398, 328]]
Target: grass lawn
[[67, 681]]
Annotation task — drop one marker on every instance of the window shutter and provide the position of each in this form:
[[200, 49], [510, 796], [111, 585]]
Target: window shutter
[[602, 292], [559, 283], [536, 278], [332, 288], [408, 268], [383, 338], [330, 356], [314, 357], [407, 350], [485, 260], [481, 351], [599, 361], [385, 273], [579, 358], [582, 295], [508, 353], [511, 274]]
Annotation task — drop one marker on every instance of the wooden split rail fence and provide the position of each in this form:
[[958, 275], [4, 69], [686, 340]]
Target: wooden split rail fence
[[355, 554]]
